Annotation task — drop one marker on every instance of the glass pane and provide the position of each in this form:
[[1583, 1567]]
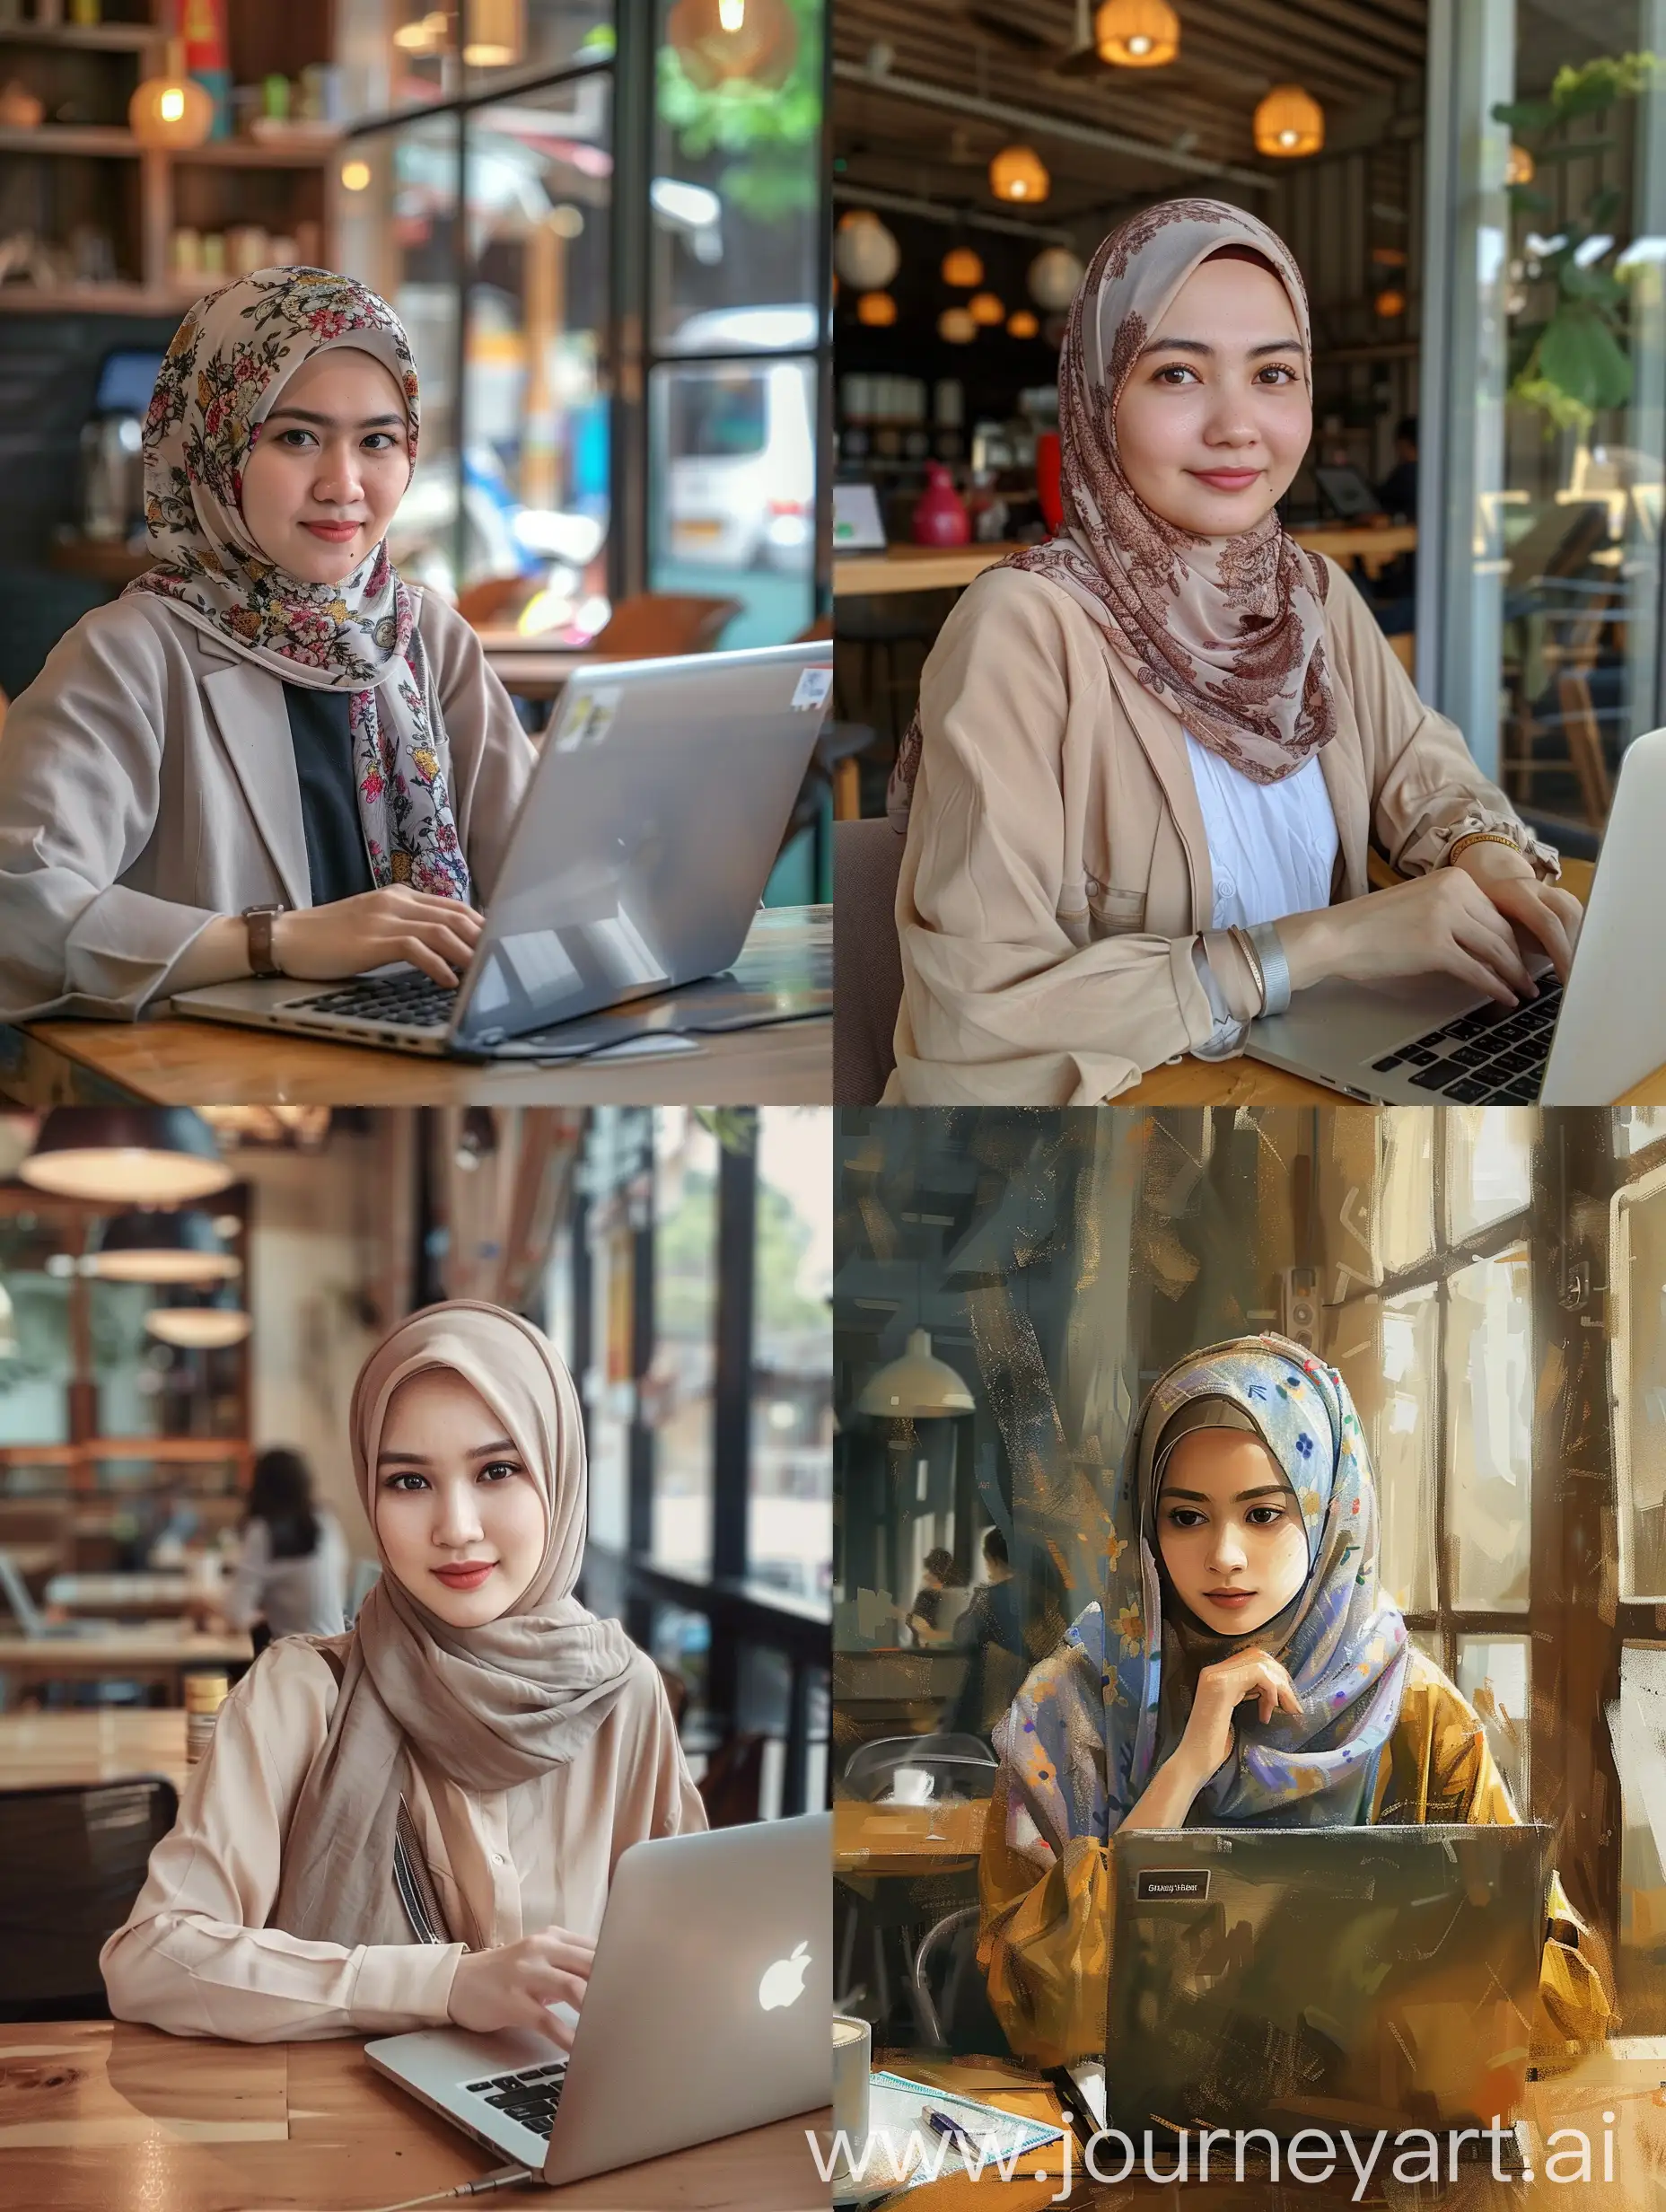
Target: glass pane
[[1489, 1165], [1494, 1673], [1386, 1350], [1552, 666], [1638, 1356], [396, 232], [685, 1352], [520, 37], [736, 250], [1641, 1964], [732, 467], [1375, 1211], [34, 1356], [609, 1394], [790, 1510], [1489, 1396], [1637, 1128], [128, 1364], [535, 479]]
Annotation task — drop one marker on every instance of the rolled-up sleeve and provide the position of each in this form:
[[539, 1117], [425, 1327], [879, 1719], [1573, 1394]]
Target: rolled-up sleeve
[[196, 1956]]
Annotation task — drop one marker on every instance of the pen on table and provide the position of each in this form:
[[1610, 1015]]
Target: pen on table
[[944, 2123]]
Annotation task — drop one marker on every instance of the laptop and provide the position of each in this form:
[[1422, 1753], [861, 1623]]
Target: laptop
[[1427, 1040], [706, 2013], [634, 866], [31, 1623], [1343, 1979]]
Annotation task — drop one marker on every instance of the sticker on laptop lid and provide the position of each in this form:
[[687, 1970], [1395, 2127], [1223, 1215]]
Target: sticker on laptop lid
[[813, 688], [1178, 1885], [593, 716]]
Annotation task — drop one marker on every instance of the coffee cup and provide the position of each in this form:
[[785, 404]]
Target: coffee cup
[[853, 2057], [910, 1785]]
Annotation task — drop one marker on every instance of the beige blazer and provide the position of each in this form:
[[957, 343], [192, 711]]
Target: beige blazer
[[196, 1956], [147, 784], [1056, 873]]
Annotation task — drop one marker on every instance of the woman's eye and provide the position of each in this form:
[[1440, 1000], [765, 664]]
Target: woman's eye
[[1185, 1518], [499, 1470], [1264, 1516], [379, 441], [406, 1483], [1279, 372], [1175, 372], [294, 439]]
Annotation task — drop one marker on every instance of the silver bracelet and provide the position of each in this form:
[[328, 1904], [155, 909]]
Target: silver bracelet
[[1269, 951]]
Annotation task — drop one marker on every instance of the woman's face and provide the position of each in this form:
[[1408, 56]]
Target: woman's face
[[459, 1516], [1230, 1531], [1216, 414], [329, 468]]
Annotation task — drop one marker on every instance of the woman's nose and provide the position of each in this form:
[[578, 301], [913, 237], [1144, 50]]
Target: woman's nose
[[337, 483], [458, 1521], [1227, 1553]]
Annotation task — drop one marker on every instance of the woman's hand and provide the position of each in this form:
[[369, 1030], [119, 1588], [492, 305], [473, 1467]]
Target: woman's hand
[[513, 1986], [1549, 915], [1445, 923], [1219, 1691], [349, 935]]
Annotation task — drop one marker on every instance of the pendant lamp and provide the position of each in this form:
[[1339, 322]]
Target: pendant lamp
[[722, 41], [1289, 123], [208, 1324], [496, 33], [125, 1155], [150, 1246], [917, 1387], [962, 269], [1019, 173], [1136, 34]]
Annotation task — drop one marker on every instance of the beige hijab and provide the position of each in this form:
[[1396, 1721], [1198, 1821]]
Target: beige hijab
[[491, 1707], [1228, 632]]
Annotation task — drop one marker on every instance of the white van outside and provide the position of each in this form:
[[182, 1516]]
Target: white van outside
[[740, 442]]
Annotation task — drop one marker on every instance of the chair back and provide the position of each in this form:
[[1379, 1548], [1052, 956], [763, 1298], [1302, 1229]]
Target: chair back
[[732, 1788], [960, 1766], [74, 1860], [676, 1692], [867, 959], [497, 602], [655, 626]]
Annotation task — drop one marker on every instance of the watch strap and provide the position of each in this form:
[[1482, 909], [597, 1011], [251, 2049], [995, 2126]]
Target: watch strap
[[258, 921]]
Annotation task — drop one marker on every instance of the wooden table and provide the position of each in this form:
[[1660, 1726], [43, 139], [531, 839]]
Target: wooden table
[[101, 2116], [1626, 2079], [530, 668], [1347, 542], [118, 1741], [914, 568], [162, 1653], [168, 1062], [128, 1596], [899, 1840]]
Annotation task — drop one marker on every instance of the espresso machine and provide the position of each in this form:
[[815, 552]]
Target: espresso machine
[[112, 474]]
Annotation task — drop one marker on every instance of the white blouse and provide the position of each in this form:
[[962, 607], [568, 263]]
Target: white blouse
[[296, 1597], [1272, 852]]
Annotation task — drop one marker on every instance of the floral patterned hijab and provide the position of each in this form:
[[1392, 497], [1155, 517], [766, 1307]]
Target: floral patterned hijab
[[1229, 633], [1100, 1714], [229, 359]]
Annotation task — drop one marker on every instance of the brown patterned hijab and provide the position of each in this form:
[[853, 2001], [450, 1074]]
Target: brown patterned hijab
[[1227, 632]]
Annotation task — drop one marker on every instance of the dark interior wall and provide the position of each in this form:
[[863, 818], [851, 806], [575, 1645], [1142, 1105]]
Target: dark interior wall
[[48, 371]]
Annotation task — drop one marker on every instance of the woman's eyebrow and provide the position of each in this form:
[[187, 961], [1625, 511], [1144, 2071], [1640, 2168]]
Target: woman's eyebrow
[[1202, 1497], [1197, 346], [332, 422], [492, 1451], [406, 1459]]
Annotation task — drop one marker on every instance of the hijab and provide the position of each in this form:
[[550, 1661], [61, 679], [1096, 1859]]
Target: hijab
[[230, 360], [1229, 633], [490, 1707], [1097, 1718]]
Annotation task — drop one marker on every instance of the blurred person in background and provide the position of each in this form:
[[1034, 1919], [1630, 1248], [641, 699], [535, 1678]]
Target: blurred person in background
[[292, 1573]]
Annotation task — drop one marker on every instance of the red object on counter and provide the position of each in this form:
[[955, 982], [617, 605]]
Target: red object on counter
[[1047, 479], [940, 516]]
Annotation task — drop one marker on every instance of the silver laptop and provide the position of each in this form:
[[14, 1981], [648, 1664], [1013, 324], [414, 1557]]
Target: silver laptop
[[635, 864], [1336, 1978], [706, 2013], [1427, 1040], [31, 1623]]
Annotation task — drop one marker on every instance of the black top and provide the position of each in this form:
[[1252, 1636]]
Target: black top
[[336, 860]]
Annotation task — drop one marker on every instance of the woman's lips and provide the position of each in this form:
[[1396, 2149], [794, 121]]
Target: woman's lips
[[1226, 479], [1229, 1598], [468, 1576], [336, 533]]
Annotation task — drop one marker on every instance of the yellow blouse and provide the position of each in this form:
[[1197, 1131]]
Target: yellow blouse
[[1043, 1943]]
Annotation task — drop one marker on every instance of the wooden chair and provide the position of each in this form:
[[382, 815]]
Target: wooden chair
[[74, 1860], [732, 1788], [653, 625], [498, 603], [676, 1691]]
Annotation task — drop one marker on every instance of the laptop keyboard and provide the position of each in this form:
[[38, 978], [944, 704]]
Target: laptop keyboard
[[1494, 1055], [529, 2097], [414, 1001]]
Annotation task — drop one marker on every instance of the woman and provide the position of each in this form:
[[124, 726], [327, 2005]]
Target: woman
[[270, 755], [418, 1822], [936, 1574], [292, 1573], [1244, 1667], [1152, 755]]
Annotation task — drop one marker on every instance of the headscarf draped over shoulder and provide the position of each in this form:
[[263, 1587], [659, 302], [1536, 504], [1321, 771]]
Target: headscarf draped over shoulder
[[1094, 1721], [1227, 632]]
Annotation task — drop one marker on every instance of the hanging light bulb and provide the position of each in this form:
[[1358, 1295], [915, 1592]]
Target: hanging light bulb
[[917, 1387], [174, 109], [986, 310], [1136, 34], [126, 1155], [878, 310], [199, 1328], [1289, 122], [955, 326], [1019, 173], [962, 269], [151, 1246], [1021, 323], [1518, 165], [721, 41], [496, 33]]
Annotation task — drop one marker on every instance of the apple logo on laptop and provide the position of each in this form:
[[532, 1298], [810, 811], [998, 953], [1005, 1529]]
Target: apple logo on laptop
[[784, 1982]]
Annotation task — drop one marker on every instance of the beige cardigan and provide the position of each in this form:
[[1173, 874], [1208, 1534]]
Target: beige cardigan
[[147, 784], [196, 1956], [1057, 871]]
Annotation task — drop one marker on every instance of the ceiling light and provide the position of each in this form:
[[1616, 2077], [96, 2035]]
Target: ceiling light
[[1019, 173], [198, 1327], [147, 1246], [125, 1155], [916, 1387]]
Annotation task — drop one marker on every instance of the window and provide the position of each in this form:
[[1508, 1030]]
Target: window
[[1637, 1356], [684, 1372], [789, 1504]]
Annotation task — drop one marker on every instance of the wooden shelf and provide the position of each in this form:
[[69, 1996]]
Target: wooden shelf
[[93, 300], [92, 37], [106, 138], [257, 153]]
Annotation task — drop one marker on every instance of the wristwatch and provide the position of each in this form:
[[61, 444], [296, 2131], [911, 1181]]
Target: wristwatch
[[259, 920]]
